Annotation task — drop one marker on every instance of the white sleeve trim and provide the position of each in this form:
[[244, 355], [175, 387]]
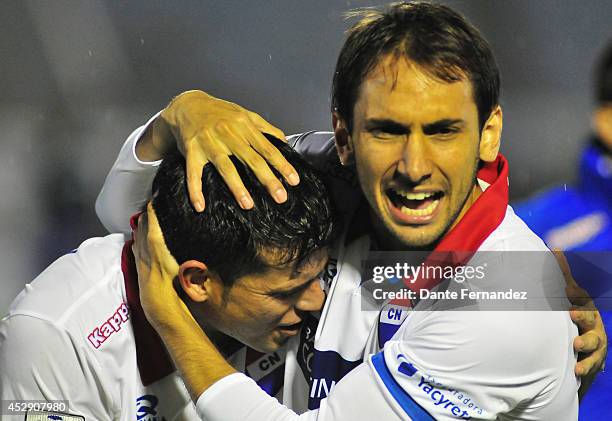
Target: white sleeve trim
[[237, 397], [135, 137], [216, 390], [127, 186]]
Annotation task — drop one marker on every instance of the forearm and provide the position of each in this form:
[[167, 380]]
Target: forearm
[[197, 359]]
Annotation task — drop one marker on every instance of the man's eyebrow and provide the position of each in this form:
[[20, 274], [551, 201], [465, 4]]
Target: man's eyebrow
[[387, 125], [293, 290], [436, 126]]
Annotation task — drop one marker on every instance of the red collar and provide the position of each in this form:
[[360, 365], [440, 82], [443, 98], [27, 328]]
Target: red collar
[[485, 215], [482, 218], [153, 360]]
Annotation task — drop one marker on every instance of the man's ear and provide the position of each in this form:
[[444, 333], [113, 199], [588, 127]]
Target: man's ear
[[195, 279], [602, 124], [344, 144], [490, 137]]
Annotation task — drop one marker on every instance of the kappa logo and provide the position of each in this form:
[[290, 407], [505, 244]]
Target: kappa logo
[[101, 333]]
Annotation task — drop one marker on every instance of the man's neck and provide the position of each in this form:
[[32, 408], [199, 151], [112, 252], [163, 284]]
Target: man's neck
[[224, 343]]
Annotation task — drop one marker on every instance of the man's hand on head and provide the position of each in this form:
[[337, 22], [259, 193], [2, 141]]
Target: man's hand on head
[[196, 357], [592, 344], [156, 271], [207, 129]]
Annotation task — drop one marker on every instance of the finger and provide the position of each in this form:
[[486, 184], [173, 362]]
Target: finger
[[274, 157], [140, 233], [587, 343], [263, 126], [139, 247], [154, 232], [228, 172], [194, 165], [565, 268], [265, 175], [241, 146], [588, 365], [585, 319]]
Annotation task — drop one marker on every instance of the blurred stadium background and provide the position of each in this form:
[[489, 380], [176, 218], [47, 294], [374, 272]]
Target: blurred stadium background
[[77, 76]]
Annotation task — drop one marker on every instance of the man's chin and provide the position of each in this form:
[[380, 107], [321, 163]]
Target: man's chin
[[418, 237], [268, 346]]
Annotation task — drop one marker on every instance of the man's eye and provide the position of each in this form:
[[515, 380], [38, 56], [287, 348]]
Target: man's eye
[[446, 131], [383, 134]]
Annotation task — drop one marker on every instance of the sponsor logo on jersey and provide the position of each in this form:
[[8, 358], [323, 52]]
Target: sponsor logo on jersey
[[454, 402], [390, 319], [394, 314], [146, 408], [328, 367], [306, 348], [266, 364], [113, 324]]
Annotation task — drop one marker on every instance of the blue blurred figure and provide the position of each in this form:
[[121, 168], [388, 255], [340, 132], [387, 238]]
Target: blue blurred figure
[[578, 219]]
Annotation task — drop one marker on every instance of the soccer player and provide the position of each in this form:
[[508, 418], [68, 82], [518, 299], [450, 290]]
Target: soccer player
[[579, 218], [78, 333], [416, 114]]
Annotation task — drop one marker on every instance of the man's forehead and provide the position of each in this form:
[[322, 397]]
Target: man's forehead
[[397, 86], [285, 276], [276, 260]]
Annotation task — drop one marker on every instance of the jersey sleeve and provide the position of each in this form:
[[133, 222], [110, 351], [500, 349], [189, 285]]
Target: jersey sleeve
[[448, 365], [39, 361], [127, 186], [443, 366], [356, 397]]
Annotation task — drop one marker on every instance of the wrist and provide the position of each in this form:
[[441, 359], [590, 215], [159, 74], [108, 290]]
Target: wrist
[[172, 321], [155, 141]]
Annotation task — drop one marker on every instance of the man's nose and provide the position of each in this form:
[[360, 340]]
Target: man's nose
[[415, 164], [312, 298]]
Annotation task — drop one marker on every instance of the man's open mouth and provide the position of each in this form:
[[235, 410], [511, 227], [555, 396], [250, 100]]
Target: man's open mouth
[[415, 204]]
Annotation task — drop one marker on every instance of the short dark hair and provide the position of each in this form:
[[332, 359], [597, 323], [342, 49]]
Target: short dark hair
[[603, 77], [431, 35], [231, 240]]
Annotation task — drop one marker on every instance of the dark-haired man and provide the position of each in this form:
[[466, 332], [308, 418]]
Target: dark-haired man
[[416, 114], [78, 334]]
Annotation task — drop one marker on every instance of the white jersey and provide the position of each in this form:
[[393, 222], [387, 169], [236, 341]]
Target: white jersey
[[434, 365], [72, 335], [77, 333]]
